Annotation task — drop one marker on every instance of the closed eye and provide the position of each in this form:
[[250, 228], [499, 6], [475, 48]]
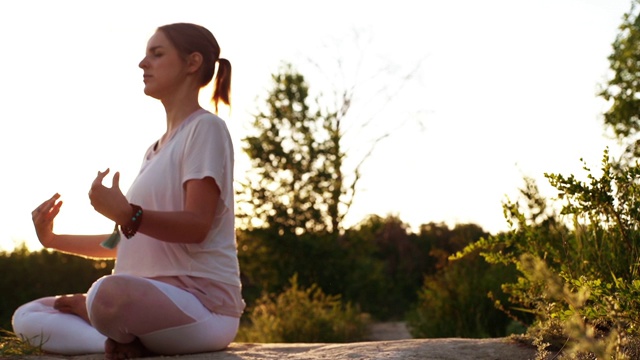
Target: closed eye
[[156, 51]]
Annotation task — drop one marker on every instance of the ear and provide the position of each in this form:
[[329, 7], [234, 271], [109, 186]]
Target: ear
[[194, 62]]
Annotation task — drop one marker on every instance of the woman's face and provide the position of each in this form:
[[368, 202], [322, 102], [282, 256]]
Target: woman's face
[[164, 68]]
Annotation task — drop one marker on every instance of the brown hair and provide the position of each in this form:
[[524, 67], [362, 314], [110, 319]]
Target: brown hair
[[190, 38]]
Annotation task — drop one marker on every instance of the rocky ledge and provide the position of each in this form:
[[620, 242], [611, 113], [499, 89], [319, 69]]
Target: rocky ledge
[[423, 349]]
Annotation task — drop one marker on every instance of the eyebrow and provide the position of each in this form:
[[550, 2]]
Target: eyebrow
[[154, 48]]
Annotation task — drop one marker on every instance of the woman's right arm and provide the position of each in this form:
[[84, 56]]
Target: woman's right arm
[[83, 245]]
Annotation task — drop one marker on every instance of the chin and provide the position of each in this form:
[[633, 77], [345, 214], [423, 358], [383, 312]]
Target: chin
[[150, 93]]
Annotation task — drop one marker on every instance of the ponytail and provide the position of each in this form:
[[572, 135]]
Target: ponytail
[[222, 86]]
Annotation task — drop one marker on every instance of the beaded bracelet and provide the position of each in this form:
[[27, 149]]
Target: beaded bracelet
[[131, 228]]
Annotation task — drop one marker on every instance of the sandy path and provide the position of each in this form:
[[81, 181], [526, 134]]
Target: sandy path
[[389, 331]]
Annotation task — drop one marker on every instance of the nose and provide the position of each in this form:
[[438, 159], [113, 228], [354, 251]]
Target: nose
[[143, 63]]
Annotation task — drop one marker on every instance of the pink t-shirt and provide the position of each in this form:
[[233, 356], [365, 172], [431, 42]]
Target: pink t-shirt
[[201, 147]]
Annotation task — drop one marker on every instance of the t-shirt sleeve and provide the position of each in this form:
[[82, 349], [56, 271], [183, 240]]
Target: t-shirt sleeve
[[208, 152]]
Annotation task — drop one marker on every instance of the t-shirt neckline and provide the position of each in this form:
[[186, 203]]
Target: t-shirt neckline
[[154, 148]]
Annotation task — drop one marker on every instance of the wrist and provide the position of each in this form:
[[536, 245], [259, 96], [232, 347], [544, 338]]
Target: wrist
[[49, 241], [124, 215], [130, 228]]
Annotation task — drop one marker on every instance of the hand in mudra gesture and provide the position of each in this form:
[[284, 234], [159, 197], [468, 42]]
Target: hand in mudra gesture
[[43, 216], [109, 201]]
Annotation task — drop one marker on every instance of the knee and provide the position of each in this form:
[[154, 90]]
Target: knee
[[106, 298], [18, 318], [30, 314]]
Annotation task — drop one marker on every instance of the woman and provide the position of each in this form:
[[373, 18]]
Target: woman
[[175, 288]]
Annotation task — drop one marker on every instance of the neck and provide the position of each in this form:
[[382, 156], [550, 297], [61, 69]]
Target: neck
[[178, 108]]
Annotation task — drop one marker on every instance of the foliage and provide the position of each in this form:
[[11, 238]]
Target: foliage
[[268, 261], [622, 89], [606, 212], [458, 300], [303, 315], [378, 264], [583, 274], [31, 275], [387, 263], [577, 335]]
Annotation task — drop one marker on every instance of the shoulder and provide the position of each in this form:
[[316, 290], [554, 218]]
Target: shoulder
[[208, 120], [207, 127]]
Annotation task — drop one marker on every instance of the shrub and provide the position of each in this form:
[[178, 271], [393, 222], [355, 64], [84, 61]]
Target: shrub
[[580, 275], [459, 300], [303, 315]]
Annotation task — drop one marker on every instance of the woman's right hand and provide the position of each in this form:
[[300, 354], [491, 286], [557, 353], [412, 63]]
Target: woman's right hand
[[43, 217]]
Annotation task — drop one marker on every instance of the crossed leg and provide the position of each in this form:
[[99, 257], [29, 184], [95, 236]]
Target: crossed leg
[[144, 317], [57, 331], [126, 307], [125, 317]]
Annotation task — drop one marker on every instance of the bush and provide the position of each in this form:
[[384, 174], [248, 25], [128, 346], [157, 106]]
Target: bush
[[303, 315], [581, 275], [459, 300]]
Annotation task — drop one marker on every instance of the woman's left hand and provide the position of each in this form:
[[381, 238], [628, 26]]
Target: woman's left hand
[[110, 201]]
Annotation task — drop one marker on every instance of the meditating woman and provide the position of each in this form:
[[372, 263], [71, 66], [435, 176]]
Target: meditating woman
[[175, 288]]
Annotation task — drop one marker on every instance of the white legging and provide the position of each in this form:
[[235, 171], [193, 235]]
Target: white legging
[[40, 324]]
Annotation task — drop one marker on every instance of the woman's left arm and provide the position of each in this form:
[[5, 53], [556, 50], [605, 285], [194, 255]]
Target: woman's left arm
[[191, 225], [188, 226]]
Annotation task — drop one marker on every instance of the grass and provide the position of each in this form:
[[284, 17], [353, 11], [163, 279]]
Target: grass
[[13, 346]]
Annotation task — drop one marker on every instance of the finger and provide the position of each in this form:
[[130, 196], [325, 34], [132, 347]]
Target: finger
[[54, 211], [115, 182], [99, 178], [45, 206], [102, 174], [47, 203]]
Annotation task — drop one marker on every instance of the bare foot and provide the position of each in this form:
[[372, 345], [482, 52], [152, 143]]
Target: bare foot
[[115, 351], [75, 304]]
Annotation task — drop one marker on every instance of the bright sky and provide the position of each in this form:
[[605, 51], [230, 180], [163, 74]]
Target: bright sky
[[505, 88]]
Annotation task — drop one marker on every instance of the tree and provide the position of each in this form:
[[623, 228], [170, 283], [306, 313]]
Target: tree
[[298, 191], [300, 181], [623, 89], [296, 182]]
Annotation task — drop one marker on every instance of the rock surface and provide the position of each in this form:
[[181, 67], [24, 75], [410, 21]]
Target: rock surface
[[410, 349]]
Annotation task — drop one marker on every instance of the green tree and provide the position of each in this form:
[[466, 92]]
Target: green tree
[[294, 198], [622, 90], [296, 184]]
